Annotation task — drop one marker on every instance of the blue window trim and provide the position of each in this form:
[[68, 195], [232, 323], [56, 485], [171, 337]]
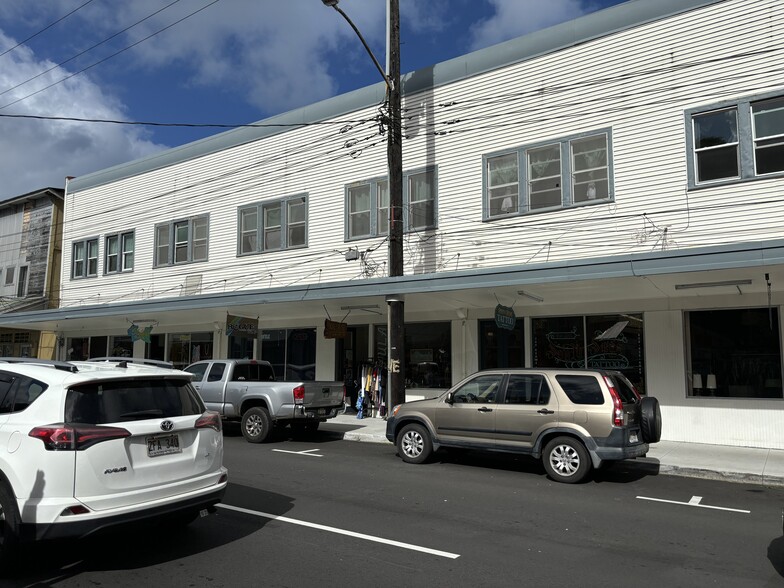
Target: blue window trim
[[84, 273], [284, 224], [373, 182], [745, 140], [121, 269], [567, 198], [171, 224]]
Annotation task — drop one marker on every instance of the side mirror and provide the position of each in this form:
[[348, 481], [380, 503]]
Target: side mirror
[[450, 398]]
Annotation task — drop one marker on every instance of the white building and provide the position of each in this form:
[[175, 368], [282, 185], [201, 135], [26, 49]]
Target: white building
[[615, 180]]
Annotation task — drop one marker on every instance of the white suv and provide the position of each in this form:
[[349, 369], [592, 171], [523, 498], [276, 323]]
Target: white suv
[[85, 446]]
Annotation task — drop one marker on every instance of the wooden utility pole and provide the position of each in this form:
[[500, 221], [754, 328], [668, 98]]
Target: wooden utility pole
[[396, 324]]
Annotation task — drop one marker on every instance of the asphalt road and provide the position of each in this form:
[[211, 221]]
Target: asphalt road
[[324, 512]]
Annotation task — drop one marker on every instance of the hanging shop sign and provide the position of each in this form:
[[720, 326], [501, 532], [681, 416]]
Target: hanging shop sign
[[505, 318], [334, 329], [137, 334], [240, 325]]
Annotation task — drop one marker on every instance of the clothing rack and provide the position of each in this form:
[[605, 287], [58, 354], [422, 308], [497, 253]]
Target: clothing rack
[[371, 400]]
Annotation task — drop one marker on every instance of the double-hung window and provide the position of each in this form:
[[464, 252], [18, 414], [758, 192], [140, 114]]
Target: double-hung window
[[119, 253], [736, 141], [562, 173], [367, 204], [84, 258], [420, 199], [181, 241], [272, 226], [367, 209]]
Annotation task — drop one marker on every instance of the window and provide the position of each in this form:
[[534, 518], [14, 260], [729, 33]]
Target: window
[[118, 253], [557, 174], [527, 389], [21, 285], [421, 200], [84, 259], [581, 389], [501, 348], [177, 242], [18, 392], [292, 352], [610, 342], [428, 361], [367, 204], [734, 353], [482, 389], [9, 275], [367, 209], [272, 226], [736, 141]]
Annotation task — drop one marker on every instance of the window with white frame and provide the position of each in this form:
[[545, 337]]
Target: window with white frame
[[181, 241], [273, 225], [566, 172], [84, 258], [21, 283], [367, 209], [736, 141], [9, 275], [119, 253]]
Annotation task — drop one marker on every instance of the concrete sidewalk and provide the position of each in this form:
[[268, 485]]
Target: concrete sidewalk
[[717, 462]]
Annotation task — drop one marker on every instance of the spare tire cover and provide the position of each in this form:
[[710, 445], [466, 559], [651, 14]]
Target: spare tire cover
[[650, 419]]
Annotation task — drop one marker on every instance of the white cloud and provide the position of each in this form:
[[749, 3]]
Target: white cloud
[[514, 18], [38, 154]]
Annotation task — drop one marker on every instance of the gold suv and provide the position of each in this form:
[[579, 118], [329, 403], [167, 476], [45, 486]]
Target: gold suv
[[572, 419]]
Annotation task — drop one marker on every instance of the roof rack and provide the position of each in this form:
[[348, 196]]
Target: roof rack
[[124, 361], [58, 365]]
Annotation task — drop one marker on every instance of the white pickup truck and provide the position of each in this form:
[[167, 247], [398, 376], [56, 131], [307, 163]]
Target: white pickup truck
[[245, 390]]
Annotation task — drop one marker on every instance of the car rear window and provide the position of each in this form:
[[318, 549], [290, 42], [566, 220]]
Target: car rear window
[[624, 387], [253, 372], [581, 389], [118, 401], [18, 392]]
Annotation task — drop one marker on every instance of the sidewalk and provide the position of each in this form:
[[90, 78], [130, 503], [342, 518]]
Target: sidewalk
[[716, 462]]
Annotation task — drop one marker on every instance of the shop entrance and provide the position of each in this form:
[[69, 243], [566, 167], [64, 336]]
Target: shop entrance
[[350, 352]]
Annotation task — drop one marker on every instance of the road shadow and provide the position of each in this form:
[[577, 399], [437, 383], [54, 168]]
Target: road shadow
[[46, 564], [622, 472], [776, 555]]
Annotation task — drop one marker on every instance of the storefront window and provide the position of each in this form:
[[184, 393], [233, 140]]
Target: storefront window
[[292, 352], [611, 342], [501, 348], [187, 348], [84, 348], [734, 353], [241, 347], [121, 346], [428, 353]]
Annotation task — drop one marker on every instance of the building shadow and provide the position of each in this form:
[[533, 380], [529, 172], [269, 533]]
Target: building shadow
[[47, 564]]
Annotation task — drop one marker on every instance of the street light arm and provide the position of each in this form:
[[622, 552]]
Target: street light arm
[[367, 47]]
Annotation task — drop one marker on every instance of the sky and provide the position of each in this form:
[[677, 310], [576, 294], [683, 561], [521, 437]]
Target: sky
[[206, 62]]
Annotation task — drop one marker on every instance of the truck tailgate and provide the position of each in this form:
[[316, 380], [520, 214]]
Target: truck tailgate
[[323, 394]]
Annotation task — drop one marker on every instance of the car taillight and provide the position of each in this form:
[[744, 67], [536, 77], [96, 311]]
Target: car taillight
[[618, 416], [299, 395], [62, 437], [209, 420]]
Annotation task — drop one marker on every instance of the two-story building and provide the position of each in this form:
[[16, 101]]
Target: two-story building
[[606, 192], [30, 258]]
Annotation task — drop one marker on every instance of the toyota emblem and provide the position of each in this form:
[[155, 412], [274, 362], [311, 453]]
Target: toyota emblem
[[167, 426]]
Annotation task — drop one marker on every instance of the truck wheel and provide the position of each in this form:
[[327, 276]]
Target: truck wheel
[[9, 526], [414, 444], [566, 460], [256, 425]]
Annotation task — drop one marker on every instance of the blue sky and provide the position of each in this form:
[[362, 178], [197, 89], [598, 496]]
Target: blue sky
[[206, 61]]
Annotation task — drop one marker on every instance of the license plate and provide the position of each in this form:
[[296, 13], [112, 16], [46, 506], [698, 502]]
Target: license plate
[[322, 411], [163, 445], [633, 438]]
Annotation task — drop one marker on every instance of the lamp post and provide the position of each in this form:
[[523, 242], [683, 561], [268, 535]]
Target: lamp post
[[395, 325]]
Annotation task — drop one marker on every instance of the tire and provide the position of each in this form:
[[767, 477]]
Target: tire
[[414, 444], [650, 419], [256, 425], [9, 527], [566, 460]]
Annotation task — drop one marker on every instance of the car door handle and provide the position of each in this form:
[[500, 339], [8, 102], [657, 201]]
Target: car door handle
[[545, 411], [485, 409]]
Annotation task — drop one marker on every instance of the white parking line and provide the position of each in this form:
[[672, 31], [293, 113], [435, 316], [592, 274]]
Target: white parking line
[[695, 501], [308, 452], [342, 532]]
